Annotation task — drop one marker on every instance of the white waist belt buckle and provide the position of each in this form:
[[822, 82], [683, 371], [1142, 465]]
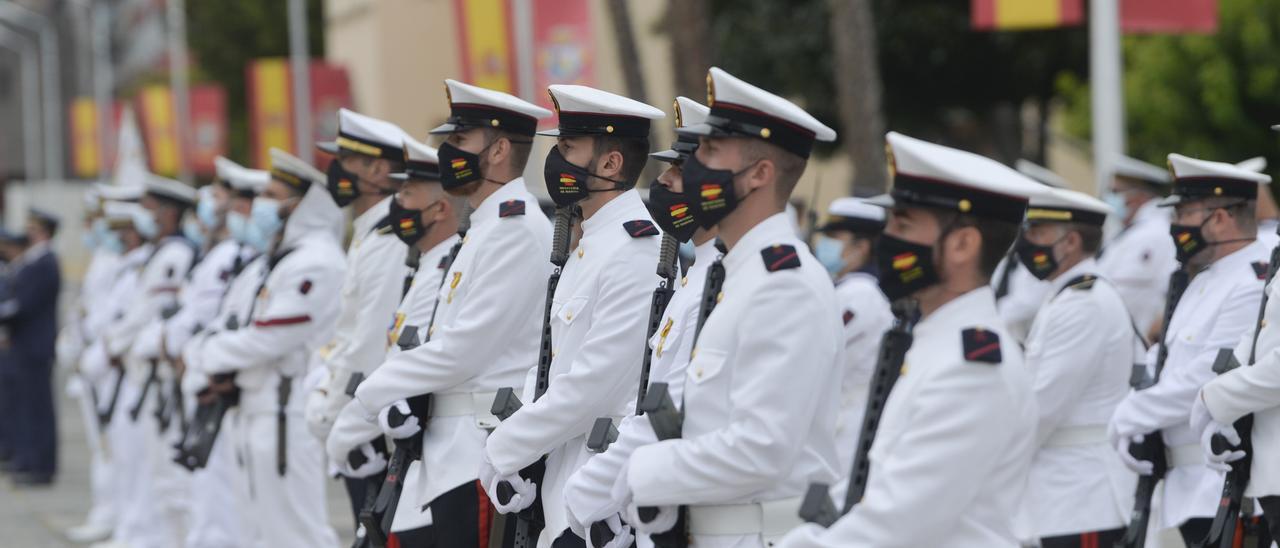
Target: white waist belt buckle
[[771, 520], [1185, 455], [1073, 436]]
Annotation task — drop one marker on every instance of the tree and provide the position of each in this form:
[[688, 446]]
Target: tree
[[1207, 96], [858, 91], [225, 36]]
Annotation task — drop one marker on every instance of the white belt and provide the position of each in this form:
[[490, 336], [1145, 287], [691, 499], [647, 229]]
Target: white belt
[[771, 520], [1185, 455], [465, 404], [1071, 436]]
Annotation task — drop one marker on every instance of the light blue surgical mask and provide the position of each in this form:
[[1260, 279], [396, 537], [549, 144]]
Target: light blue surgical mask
[[1116, 201], [111, 242], [100, 229], [264, 223], [91, 238], [238, 227], [191, 229], [146, 225], [207, 213], [829, 252]]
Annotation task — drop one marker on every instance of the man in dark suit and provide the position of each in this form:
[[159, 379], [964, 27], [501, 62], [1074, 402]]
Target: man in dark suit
[[11, 247], [31, 314]]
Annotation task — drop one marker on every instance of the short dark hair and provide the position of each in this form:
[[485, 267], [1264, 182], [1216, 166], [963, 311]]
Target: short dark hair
[[635, 153], [521, 145], [1090, 236], [997, 236], [788, 165]]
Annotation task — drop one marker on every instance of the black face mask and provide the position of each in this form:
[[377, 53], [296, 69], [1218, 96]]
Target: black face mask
[[1038, 259], [672, 212], [407, 223], [905, 267], [1188, 240], [458, 167], [342, 184], [567, 183], [710, 191]]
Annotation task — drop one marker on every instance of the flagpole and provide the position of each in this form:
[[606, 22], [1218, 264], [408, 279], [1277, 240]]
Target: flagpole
[[1106, 89]]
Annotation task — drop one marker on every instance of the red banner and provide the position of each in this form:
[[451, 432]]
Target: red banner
[[1169, 16], [208, 138], [330, 91], [563, 45], [486, 44], [159, 129], [270, 89]]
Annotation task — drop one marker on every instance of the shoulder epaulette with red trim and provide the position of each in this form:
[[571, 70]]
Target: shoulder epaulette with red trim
[[981, 345], [1260, 269], [780, 257], [640, 228], [511, 208]]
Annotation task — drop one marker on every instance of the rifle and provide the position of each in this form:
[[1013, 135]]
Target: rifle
[[817, 506], [603, 432], [667, 420], [529, 522], [136, 410], [213, 403], [1152, 448], [1222, 532], [104, 417]]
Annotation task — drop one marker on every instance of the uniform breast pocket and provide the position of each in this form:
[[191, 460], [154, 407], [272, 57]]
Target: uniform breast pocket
[[572, 310], [706, 365]]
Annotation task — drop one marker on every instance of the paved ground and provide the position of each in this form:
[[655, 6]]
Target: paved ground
[[36, 518]]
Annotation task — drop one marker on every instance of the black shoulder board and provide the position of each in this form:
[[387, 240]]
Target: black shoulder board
[[1083, 283], [383, 226], [1260, 269], [981, 345], [780, 257], [640, 228], [511, 208], [444, 263]]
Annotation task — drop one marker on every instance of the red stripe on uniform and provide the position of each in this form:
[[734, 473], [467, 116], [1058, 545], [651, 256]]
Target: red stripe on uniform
[[484, 511], [293, 320], [393, 541], [778, 263]]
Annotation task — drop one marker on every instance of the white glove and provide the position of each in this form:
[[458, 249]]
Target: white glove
[[663, 522], [368, 462], [1140, 467], [351, 429], [525, 490], [622, 536], [1220, 461], [322, 409], [407, 429]]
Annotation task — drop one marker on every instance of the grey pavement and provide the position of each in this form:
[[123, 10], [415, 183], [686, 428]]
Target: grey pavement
[[37, 517]]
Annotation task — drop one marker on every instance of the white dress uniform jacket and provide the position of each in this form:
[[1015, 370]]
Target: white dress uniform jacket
[[1138, 261], [950, 460], [1220, 303], [415, 310], [600, 308], [866, 316], [1080, 353], [761, 392], [370, 294], [589, 492], [1255, 389], [292, 315], [485, 336]]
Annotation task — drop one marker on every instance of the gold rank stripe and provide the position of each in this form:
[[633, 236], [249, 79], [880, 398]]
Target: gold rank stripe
[[1036, 214], [357, 146]]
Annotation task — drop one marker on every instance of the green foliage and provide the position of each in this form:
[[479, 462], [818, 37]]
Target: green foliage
[[1208, 96], [225, 36]]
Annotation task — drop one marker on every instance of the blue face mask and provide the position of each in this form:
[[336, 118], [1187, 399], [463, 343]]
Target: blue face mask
[[191, 229], [111, 242], [264, 223], [146, 226], [1116, 201], [829, 252], [207, 213], [91, 238], [238, 227]]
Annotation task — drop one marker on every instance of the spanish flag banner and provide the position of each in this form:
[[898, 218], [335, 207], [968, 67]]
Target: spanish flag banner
[[1025, 14], [485, 40]]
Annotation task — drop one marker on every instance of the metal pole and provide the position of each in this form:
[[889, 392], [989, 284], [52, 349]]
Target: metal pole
[[179, 83], [300, 66], [52, 87], [1106, 89], [523, 17], [30, 96], [102, 84]]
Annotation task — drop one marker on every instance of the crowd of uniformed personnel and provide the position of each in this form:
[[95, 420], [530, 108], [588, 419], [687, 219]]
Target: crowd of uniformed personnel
[[680, 369]]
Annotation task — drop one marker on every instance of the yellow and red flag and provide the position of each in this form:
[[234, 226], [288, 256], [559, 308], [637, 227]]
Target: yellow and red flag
[[1025, 14]]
